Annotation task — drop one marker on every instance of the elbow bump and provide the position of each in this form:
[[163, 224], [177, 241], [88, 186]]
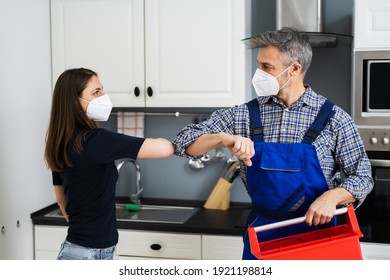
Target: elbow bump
[[168, 151]]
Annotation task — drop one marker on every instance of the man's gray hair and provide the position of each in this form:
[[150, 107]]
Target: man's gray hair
[[293, 44]]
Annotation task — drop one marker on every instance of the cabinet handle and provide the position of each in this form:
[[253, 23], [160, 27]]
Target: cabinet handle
[[136, 91], [149, 91], [155, 247]]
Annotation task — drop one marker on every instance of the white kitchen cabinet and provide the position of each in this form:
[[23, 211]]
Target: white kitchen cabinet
[[176, 53], [47, 241], [375, 251], [135, 244], [150, 244], [105, 36], [139, 244], [372, 25], [217, 247]]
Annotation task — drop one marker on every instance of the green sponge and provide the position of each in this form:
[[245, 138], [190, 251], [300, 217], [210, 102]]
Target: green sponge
[[133, 207]]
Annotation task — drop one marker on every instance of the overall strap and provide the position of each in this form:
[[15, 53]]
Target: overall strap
[[324, 115], [256, 128]]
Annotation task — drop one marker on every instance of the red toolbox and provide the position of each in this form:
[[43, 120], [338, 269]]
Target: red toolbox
[[340, 242]]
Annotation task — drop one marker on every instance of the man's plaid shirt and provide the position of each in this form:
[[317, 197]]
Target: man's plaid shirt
[[339, 147]]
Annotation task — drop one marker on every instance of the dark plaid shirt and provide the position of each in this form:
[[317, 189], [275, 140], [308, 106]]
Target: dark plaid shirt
[[339, 147]]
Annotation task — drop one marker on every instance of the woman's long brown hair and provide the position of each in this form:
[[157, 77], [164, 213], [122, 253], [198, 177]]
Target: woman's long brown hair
[[68, 121]]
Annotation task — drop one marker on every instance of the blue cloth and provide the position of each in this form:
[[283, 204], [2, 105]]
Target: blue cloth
[[284, 179], [90, 187]]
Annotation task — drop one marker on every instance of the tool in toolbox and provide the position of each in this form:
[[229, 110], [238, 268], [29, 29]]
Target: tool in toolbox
[[340, 242], [219, 197]]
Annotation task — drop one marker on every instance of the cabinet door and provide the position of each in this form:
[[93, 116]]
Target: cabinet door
[[194, 53], [216, 247], [375, 251], [372, 25], [105, 36], [48, 240]]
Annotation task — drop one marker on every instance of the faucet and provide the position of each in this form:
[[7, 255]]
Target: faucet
[[134, 198]]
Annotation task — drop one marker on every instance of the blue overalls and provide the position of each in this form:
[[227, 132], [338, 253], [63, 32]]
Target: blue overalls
[[284, 179]]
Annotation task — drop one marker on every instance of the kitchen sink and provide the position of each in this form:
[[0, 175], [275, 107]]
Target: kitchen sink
[[147, 214], [156, 214]]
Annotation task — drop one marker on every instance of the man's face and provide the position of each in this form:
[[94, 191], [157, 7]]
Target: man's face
[[268, 60]]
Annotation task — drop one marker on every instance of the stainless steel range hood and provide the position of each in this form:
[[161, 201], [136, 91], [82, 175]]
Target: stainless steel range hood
[[307, 16]]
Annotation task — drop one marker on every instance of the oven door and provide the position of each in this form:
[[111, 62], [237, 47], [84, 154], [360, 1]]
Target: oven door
[[374, 214]]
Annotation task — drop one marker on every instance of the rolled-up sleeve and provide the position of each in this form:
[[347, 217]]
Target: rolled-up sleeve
[[185, 137], [360, 183], [352, 157], [223, 120]]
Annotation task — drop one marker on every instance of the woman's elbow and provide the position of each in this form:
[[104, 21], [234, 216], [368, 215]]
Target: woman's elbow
[[163, 150], [156, 148], [167, 150]]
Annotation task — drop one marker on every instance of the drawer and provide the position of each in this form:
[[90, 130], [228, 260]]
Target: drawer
[[46, 255], [375, 251], [158, 245], [217, 247], [49, 238]]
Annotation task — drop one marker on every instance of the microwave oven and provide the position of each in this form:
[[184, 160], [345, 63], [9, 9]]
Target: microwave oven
[[371, 98]]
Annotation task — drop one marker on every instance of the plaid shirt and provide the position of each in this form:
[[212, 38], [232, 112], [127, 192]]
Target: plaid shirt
[[339, 147]]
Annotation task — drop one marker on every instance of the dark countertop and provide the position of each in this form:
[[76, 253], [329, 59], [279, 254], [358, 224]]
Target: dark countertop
[[205, 221]]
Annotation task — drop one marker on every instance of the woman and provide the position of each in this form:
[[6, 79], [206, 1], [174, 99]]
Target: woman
[[81, 157]]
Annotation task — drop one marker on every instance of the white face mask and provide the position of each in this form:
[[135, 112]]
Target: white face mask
[[266, 84], [99, 109]]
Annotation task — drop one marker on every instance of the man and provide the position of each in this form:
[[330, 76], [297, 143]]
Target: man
[[300, 155]]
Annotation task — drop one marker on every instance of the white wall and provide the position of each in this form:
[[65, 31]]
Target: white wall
[[25, 97]]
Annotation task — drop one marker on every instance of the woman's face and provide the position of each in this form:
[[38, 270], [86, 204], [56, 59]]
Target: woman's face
[[93, 90]]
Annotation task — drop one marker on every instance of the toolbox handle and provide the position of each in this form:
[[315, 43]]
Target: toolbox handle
[[292, 221]]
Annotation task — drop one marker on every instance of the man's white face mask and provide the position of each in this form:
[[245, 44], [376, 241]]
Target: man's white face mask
[[266, 84]]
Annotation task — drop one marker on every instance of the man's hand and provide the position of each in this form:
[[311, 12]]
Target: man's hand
[[322, 210], [319, 213], [240, 146]]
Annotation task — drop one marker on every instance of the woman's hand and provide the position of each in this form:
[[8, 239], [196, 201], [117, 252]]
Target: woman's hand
[[62, 201]]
